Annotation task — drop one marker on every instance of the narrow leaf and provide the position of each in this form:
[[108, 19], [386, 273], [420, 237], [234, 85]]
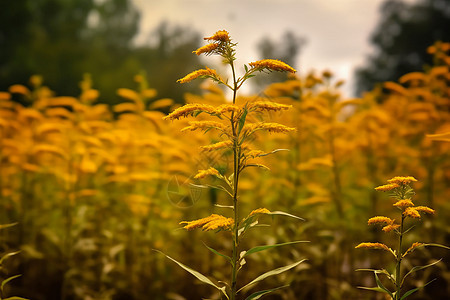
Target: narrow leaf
[[381, 286], [15, 298], [271, 273], [281, 213], [242, 120], [224, 206], [262, 248], [7, 255], [198, 275], [3, 226], [259, 294], [220, 254], [418, 268], [415, 290], [4, 282]]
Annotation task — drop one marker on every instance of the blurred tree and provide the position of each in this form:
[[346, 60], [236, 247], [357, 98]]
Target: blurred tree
[[401, 39], [287, 50], [63, 39]]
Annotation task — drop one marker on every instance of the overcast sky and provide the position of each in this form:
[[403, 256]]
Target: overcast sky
[[337, 31]]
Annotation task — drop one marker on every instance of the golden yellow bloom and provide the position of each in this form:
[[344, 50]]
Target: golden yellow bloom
[[270, 127], [272, 64], [373, 246], [19, 89], [188, 110], [387, 187], [411, 212], [226, 108], [199, 73], [267, 106], [259, 211], [424, 209], [390, 227], [212, 222], [404, 203], [220, 36], [203, 173], [202, 125], [402, 180], [208, 49], [412, 248], [216, 146], [380, 220]]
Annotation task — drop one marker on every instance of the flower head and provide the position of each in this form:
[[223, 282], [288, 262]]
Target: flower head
[[259, 211], [212, 222], [273, 65], [202, 73], [424, 209], [188, 110], [207, 49], [402, 180], [380, 220], [204, 173], [390, 227], [403, 204], [268, 106], [387, 187], [373, 246], [216, 146], [220, 36], [270, 127], [203, 125], [412, 248], [411, 212]]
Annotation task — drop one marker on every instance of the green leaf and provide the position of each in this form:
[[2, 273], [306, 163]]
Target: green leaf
[[246, 68], [415, 290], [7, 255], [220, 254], [4, 282], [381, 286], [15, 298], [242, 120], [224, 206], [271, 273], [281, 213], [262, 248], [3, 226], [418, 268], [259, 294], [198, 275]]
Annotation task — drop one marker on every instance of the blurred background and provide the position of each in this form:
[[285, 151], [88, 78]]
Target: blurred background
[[96, 179]]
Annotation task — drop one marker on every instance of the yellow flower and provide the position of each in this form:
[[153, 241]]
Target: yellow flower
[[412, 248], [203, 173], [373, 246], [212, 222], [390, 227], [188, 110], [387, 187], [200, 73], [270, 127], [208, 49], [220, 36], [272, 64], [216, 146], [411, 212], [202, 125], [267, 106], [259, 211], [404, 203], [226, 108], [380, 220], [424, 209], [402, 180]]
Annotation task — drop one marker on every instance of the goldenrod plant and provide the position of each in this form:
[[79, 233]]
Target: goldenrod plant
[[236, 125], [3, 271], [402, 192]]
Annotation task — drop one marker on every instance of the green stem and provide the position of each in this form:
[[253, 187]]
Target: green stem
[[399, 261], [236, 168]]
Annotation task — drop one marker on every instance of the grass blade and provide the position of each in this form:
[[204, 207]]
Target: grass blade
[[271, 273], [259, 294], [262, 248]]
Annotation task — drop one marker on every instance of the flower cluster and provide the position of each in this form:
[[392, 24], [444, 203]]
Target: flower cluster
[[213, 222]]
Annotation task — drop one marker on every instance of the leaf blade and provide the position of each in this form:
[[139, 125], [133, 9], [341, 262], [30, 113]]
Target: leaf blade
[[266, 247]]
